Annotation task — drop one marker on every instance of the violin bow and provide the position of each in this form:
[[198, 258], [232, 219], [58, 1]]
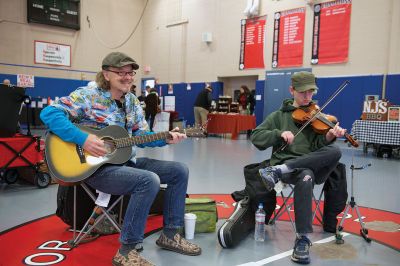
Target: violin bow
[[333, 96]]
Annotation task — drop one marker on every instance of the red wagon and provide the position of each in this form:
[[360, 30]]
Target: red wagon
[[19, 152]]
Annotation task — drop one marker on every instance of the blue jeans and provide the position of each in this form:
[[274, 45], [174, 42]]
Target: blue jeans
[[142, 181]]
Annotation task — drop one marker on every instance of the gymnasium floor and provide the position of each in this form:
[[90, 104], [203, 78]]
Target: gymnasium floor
[[216, 167]]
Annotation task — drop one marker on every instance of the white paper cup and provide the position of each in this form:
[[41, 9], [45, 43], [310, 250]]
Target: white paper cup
[[190, 225]]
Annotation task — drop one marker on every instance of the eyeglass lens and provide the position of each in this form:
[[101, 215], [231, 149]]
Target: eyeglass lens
[[124, 73]]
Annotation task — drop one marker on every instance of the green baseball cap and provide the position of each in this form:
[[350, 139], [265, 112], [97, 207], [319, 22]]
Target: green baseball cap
[[118, 59], [304, 81]]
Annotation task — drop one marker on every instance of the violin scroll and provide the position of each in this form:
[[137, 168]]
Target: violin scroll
[[351, 140]]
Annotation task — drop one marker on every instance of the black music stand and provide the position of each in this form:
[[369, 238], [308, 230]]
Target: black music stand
[[353, 205]]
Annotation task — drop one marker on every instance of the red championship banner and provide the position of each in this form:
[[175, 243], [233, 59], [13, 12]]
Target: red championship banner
[[288, 38], [331, 32], [252, 43]]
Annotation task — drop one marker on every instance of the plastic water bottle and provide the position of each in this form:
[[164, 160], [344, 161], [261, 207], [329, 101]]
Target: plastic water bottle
[[259, 232]]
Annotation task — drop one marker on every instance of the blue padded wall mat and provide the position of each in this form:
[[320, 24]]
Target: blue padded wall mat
[[55, 87], [12, 78], [49, 87], [348, 105], [184, 98], [393, 88]]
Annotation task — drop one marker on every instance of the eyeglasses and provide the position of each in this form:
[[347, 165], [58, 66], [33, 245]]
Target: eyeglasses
[[123, 73]]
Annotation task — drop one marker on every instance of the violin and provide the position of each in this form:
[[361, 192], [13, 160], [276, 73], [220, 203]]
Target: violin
[[321, 123]]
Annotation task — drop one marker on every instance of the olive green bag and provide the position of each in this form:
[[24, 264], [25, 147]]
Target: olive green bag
[[206, 212]]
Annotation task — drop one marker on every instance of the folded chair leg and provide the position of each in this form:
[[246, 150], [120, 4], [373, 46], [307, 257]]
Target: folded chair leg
[[290, 217], [105, 212], [87, 228], [121, 207], [284, 206], [74, 218], [85, 231], [317, 208]]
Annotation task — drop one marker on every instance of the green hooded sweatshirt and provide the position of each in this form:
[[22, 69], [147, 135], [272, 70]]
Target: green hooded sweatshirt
[[268, 134]]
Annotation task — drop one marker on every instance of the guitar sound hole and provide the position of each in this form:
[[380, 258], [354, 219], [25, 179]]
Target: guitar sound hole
[[109, 144]]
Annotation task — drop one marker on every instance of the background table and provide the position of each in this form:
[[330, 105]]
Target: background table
[[173, 116], [380, 132], [224, 123], [384, 137]]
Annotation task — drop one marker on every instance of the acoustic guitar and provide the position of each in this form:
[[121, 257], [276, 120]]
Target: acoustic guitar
[[69, 163]]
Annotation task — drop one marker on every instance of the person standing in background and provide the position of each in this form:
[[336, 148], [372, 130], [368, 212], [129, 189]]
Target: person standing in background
[[142, 96], [252, 104], [147, 90], [144, 93], [152, 106], [252, 101], [244, 97], [133, 89], [7, 82], [202, 106]]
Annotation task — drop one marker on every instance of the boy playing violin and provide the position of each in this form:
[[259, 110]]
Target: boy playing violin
[[307, 160]]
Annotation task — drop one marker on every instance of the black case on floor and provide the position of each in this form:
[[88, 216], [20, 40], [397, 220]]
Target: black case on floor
[[238, 225], [85, 205]]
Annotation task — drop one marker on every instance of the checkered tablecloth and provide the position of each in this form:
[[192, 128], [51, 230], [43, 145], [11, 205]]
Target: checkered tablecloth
[[376, 132]]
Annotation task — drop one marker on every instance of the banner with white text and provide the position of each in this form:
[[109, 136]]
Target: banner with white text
[[331, 32], [252, 43], [288, 44]]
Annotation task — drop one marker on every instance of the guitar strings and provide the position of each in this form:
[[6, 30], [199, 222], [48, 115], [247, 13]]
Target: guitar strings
[[111, 142], [125, 142]]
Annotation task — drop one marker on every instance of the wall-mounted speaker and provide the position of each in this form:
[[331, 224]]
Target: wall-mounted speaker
[[206, 37]]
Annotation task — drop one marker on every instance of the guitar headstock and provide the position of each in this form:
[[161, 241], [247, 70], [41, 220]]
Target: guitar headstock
[[195, 132]]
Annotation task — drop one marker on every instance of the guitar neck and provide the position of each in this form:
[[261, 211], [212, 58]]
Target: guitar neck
[[131, 141]]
